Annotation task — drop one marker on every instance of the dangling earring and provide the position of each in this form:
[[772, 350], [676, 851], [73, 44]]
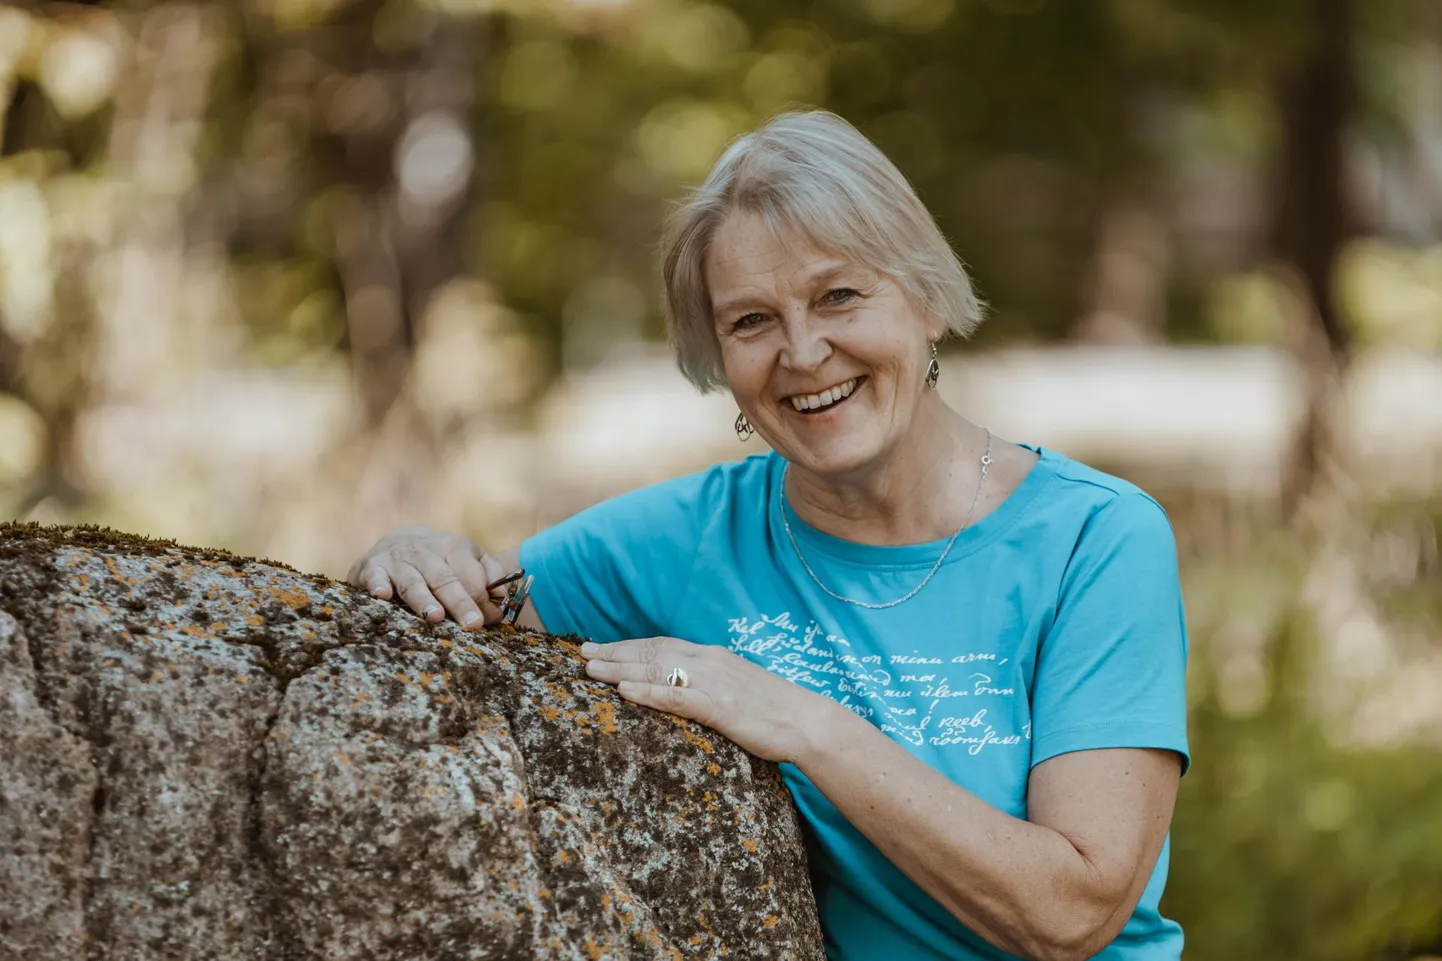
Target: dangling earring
[[933, 369], [744, 430]]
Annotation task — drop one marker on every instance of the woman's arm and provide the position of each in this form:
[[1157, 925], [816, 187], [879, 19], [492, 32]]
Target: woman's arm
[[1057, 886]]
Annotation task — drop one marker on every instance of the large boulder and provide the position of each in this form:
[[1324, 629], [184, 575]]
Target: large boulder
[[207, 756]]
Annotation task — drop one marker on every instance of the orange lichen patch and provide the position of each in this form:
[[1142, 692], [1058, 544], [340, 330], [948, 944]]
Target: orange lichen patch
[[443, 642], [766, 885], [293, 599], [713, 768], [769, 922], [217, 626], [489, 723], [342, 759], [606, 716], [750, 845], [403, 677], [688, 733], [114, 569], [327, 610], [549, 713], [592, 949], [254, 620], [194, 630], [519, 802], [562, 857]]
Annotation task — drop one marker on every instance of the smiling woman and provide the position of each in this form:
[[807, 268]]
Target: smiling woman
[[967, 654]]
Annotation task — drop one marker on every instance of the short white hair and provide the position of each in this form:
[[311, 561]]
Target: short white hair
[[814, 173]]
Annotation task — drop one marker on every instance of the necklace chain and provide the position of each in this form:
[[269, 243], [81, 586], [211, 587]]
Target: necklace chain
[[985, 464]]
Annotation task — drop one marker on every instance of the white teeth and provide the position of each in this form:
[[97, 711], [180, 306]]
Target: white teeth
[[826, 398]]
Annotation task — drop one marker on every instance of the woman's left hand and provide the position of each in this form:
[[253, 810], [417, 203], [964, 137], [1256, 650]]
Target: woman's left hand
[[765, 714]]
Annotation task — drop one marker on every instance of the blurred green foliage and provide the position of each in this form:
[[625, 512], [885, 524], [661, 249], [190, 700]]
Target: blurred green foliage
[[1299, 833]]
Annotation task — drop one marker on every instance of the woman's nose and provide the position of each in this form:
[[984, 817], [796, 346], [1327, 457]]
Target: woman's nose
[[806, 347]]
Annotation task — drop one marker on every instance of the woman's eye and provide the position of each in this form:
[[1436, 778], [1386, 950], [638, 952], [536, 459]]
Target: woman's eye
[[839, 296], [746, 322]]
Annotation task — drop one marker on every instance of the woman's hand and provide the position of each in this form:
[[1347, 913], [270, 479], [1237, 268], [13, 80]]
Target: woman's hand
[[765, 714], [435, 573]]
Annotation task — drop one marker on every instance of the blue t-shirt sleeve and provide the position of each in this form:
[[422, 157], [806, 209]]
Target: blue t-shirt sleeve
[[1111, 671], [617, 570]]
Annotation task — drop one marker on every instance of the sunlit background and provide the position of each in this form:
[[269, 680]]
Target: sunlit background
[[279, 275]]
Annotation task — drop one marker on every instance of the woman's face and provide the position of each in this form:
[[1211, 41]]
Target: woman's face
[[825, 357]]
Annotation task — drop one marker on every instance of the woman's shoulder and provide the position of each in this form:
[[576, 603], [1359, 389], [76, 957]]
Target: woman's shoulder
[[1088, 487], [1093, 505]]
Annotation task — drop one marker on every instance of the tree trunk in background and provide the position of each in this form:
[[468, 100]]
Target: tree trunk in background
[[398, 241], [98, 348], [1310, 230], [1124, 295]]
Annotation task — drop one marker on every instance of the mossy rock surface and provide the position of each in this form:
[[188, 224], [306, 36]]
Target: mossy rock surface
[[208, 756]]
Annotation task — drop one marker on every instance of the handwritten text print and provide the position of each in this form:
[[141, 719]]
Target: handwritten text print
[[938, 701]]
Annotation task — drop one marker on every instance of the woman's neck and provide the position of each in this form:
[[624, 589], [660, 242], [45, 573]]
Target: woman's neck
[[921, 492]]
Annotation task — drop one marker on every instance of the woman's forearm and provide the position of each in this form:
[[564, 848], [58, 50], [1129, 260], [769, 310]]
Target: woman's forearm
[[1024, 887]]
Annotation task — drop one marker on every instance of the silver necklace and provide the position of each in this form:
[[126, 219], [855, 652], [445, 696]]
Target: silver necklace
[[985, 464]]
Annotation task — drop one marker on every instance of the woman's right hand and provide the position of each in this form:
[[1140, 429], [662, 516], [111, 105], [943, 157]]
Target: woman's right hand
[[435, 573]]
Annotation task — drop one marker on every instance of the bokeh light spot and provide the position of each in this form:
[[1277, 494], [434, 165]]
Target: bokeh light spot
[[680, 138], [433, 160], [783, 78], [78, 71]]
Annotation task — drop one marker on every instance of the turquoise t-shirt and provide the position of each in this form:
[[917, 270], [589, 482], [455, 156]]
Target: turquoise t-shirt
[[1054, 625]]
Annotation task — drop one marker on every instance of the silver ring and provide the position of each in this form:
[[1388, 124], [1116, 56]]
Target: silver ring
[[678, 678]]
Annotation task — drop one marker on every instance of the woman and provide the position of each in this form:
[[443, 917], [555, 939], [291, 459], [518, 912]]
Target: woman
[[967, 654]]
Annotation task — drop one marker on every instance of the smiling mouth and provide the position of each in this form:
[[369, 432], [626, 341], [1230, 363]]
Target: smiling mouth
[[826, 399]]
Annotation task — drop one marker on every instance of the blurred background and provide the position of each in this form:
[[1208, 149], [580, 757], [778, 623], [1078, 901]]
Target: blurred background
[[279, 275]]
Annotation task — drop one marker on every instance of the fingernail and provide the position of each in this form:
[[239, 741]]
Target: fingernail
[[590, 648], [470, 619], [429, 611]]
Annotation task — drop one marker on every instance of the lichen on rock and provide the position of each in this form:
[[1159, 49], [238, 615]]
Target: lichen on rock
[[210, 756]]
